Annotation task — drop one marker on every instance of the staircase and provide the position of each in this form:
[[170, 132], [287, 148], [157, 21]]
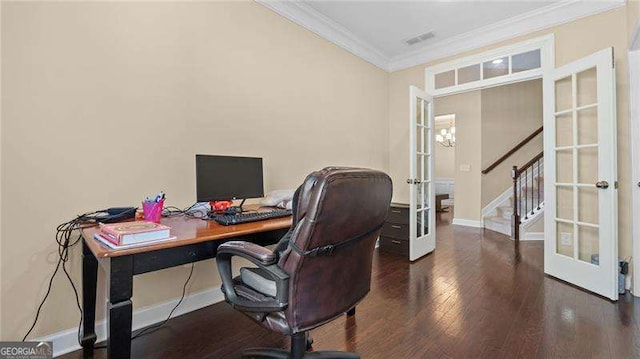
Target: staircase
[[524, 202], [500, 218]]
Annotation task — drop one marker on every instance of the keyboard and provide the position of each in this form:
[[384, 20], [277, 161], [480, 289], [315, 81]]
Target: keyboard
[[231, 219]]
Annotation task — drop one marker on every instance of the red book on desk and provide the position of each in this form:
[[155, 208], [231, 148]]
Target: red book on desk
[[126, 233]]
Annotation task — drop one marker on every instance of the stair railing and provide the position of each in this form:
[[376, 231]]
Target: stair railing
[[512, 151], [526, 198]]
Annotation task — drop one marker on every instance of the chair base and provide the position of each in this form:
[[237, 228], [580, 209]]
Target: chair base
[[268, 353], [300, 344]]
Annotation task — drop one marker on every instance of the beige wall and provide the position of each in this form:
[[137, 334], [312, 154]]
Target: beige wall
[[537, 226], [572, 41], [489, 122], [399, 83], [209, 78], [443, 157], [633, 15], [510, 113], [104, 103], [466, 107]]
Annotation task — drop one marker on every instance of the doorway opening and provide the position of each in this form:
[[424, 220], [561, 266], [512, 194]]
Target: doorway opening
[[579, 115], [444, 157], [497, 129]]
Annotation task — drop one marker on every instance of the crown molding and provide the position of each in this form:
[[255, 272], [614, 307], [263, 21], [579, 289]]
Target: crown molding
[[545, 17], [312, 20], [542, 18]]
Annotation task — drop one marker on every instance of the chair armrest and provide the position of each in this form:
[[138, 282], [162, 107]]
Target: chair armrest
[[248, 249], [264, 259]]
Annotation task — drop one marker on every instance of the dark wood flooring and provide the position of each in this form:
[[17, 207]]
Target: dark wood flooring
[[472, 298]]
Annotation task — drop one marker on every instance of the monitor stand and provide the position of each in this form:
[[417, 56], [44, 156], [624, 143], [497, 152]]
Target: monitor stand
[[235, 209], [227, 211]]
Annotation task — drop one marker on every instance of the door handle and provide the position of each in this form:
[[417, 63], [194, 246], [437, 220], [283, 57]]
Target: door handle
[[602, 184]]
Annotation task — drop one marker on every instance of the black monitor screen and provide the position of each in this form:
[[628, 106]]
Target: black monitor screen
[[224, 177]]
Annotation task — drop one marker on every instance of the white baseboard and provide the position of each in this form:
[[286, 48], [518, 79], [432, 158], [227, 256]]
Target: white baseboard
[[467, 223], [66, 341], [533, 236]]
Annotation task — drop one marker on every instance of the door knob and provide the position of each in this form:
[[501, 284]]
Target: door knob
[[602, 184]]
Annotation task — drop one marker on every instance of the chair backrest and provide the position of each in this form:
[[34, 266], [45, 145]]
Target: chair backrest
[[341, 207]]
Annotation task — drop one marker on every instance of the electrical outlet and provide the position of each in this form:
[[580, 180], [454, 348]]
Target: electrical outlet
[[465, 167], [565, 239]]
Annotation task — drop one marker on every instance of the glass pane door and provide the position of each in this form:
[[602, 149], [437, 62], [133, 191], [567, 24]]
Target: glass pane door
[[581, 215], [576, 153], [422, 198]]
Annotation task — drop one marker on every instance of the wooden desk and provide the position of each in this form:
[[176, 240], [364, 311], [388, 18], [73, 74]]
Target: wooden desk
[[196, 240]]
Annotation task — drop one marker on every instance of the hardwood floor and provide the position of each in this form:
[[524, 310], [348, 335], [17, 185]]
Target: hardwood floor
[[471, 298]]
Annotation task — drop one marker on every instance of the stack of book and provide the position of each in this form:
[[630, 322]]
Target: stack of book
[[132, 234]]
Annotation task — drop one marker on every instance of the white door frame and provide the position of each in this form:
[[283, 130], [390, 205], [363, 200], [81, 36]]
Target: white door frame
[[634, 121], [547, 44]]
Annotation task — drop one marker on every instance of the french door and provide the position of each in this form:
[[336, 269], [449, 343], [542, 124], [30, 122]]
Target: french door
[[581, 239], [422, 231]]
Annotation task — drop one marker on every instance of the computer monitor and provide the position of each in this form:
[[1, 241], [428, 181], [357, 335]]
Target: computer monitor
[[221, 178]]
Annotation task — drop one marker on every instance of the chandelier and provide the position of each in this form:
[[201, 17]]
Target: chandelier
[[447, 136]]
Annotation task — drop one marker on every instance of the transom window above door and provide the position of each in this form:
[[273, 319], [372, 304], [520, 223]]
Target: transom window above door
[[519, 62]]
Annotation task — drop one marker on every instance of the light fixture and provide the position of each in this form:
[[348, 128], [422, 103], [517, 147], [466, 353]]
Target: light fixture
[[496, 62], [447, 136]]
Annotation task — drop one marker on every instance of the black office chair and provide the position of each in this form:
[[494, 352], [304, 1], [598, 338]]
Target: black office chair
[[321, 269]]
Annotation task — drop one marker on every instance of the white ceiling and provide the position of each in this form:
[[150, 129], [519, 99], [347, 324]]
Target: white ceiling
[[386, 25], [376, 31]]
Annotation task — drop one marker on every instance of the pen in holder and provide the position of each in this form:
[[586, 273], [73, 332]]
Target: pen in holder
[[152, 210]]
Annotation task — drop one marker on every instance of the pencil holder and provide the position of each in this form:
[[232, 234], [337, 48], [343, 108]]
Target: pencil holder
[[152, 210]]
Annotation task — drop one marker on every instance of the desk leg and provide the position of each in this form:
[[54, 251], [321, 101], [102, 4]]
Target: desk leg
[[89, 284], [119, 314]]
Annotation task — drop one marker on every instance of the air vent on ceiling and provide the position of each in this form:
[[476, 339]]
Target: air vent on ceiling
[[420, 38]]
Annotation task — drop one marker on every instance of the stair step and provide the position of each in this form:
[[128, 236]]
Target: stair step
[[498, 224], [498, 220], [531, 192], [506, 213]]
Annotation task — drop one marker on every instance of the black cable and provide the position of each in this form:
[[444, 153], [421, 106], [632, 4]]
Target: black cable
[[153, 328], [43, 300], [186, 210], [64, 234], [172, 211]]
